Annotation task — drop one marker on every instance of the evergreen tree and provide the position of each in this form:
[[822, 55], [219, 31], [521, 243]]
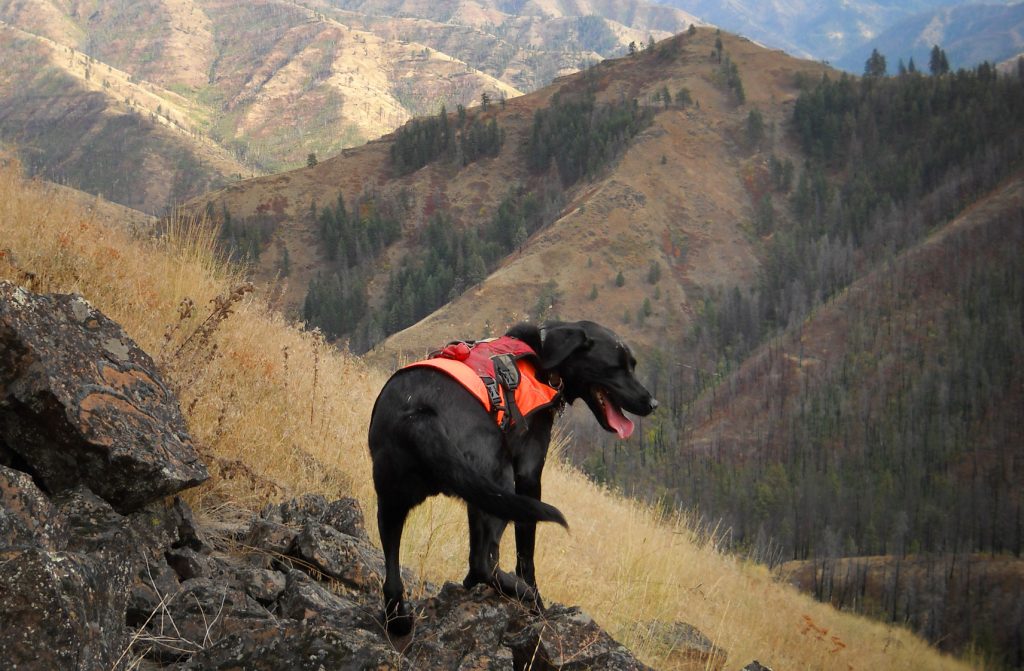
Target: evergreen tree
[[654, 273], [875, 65], [755, 128], [938, 64]]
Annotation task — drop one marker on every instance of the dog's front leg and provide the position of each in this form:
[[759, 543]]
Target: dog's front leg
[[528, 468], [526, 542]]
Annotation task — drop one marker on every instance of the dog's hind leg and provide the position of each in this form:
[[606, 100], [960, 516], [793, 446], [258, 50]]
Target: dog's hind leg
[[398, 617], [484, 542], [526, 540]]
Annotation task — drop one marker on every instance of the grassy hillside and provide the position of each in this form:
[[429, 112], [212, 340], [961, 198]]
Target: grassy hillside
[[80, 122], [278, 412]]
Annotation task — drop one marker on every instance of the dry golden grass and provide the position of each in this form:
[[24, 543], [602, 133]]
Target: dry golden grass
[[278, 412]]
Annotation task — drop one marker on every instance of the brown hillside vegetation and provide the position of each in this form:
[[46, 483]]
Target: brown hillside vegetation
[[93, 126], [272, 81], [279, 412], [267, 82], [930, 592], [679, 197]]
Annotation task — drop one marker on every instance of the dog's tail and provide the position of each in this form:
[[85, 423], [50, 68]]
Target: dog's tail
[[500, 503], [452, 468]]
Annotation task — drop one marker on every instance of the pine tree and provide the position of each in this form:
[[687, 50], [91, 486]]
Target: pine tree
[[875, 65], [938, 63]]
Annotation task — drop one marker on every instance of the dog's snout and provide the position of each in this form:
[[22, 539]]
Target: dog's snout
[[654, 404]]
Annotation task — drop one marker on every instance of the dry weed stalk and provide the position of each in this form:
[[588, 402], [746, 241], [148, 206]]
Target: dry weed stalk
[[223, 306], [186, 310]]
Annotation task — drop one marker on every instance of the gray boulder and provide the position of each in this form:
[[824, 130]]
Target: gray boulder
[[80, 403]]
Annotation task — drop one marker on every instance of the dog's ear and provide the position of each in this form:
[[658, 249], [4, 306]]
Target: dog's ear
[[559, 341]]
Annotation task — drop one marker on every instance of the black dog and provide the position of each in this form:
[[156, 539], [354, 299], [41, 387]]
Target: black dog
[[429, 435]]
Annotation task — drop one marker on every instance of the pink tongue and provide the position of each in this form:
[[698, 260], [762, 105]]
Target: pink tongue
[[617, 420]]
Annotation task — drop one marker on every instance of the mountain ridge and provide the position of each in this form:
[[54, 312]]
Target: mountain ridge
[[709, 149], [968, 34], [273, 83]]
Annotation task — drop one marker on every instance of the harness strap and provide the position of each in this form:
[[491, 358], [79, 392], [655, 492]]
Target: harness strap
[[507, 373]]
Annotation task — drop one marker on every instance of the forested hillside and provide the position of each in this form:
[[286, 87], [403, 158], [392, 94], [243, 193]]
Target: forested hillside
[[573, 137], [865, 396]]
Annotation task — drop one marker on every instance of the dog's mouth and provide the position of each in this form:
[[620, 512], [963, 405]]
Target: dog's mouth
[[611, 416]]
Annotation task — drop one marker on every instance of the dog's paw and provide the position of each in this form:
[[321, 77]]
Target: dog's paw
[[513, 586], [398, 619]]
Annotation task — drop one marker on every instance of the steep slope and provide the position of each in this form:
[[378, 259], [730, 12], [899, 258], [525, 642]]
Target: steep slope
[[678, 198], [270, 82], [280, 413], [90, 125], [889, 422]]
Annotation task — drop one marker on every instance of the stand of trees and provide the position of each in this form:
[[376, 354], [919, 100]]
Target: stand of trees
[[580, 137], [348, 239], [243, 238], [955, 600], [453, 259], [336, 300], [424, 141]]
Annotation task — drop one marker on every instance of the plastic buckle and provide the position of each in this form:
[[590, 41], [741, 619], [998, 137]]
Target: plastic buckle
[[507, 371]]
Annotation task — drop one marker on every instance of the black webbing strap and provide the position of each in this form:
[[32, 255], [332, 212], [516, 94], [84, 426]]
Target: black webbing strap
[[507, 374]]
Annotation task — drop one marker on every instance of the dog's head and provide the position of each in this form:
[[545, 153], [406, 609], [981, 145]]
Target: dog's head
[[595, 365]]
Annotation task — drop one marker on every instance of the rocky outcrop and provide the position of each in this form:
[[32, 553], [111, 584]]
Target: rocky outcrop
[[688, 649], [81, 403], [110, 572]]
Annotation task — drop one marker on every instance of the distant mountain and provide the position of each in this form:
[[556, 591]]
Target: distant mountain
[[76, 121], [264, 85], [818, 30], [969, 34], [839, 31]]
